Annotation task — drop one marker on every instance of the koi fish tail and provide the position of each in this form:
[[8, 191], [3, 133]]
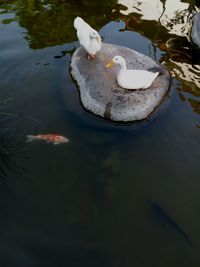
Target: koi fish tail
[[30, 138]]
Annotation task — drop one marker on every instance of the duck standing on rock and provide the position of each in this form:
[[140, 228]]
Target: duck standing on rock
[[88, 37], [132, 79]]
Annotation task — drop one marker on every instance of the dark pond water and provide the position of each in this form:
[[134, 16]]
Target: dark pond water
[[116, 195]]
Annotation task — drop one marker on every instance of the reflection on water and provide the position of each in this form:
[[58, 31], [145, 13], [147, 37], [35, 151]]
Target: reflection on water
[[172, 14], [92, 202], [50, 22]]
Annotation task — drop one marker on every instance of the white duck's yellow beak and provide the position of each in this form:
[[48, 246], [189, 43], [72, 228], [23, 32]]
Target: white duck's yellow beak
[[110, 64]]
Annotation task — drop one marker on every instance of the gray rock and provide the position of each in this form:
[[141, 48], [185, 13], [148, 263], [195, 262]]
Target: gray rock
[[195, 32], [100, 93]]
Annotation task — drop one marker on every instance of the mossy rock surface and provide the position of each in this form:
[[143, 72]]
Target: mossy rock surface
[[100, 93], [195, 32]]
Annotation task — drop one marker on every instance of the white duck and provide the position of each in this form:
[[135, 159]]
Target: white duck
[[132, 79], [88, 37]]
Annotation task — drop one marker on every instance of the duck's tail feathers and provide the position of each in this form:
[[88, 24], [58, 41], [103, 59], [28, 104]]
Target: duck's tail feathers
[[77, 22], [156, 74]]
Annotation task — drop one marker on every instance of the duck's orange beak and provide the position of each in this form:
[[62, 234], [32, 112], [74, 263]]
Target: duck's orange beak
[[110, 64]]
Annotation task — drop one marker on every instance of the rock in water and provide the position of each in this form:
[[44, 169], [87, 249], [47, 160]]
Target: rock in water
[[100, 92], [195, 33]]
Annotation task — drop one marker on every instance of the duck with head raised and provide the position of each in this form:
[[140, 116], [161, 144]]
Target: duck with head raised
[[132, 79], [88, 37]]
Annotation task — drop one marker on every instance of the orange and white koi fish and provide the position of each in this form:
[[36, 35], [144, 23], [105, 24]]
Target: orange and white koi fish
[[49, 138]]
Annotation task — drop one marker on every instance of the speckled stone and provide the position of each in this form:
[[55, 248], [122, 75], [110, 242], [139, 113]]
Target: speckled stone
[[195, 32], [100, 93]]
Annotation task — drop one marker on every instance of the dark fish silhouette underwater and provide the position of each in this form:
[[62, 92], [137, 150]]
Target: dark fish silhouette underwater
[[162, 214]]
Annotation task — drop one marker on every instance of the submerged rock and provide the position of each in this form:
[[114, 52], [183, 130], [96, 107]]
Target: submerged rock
[[100, 93], [195, 32]]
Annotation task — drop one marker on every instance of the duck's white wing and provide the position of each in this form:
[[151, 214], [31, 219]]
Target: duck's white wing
[[83, 38], [136, 79], [83, 30]]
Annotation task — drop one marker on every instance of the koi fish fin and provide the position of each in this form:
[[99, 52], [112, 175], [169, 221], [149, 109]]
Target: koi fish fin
[[30, 138]]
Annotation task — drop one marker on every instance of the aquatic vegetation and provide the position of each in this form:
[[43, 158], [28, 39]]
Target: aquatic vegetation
[[9, 148], [4, 157]]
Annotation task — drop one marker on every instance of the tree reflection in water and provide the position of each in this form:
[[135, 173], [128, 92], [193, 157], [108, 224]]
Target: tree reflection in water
[[50, 22]]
